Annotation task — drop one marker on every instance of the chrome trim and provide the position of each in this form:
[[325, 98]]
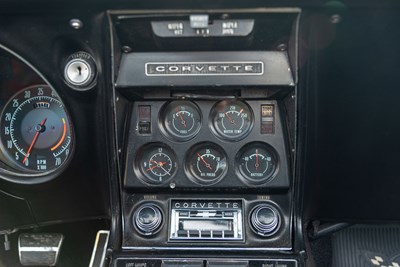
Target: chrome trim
[[96, 248]]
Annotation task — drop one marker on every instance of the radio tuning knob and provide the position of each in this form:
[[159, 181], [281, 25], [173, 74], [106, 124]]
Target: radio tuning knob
[[265, 220], [148, 219], [80, 71]]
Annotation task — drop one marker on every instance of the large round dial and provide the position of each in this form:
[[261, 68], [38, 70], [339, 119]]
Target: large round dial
[[36, 131], [257, 163], [181, 120], [206, 163], [232, 120], [157, 163]]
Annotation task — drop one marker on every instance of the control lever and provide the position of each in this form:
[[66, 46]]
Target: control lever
[[6, 233], [199, 21]]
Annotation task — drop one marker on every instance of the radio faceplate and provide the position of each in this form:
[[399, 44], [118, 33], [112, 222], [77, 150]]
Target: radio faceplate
[[205, 220]]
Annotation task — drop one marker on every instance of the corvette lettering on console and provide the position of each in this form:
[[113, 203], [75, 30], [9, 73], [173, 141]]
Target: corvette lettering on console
[[204, 68]]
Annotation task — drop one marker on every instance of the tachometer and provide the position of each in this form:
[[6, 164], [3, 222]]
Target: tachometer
[[36, 132]]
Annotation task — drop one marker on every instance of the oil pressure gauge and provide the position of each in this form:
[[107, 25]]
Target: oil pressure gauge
[[257, 163], [206, 163]]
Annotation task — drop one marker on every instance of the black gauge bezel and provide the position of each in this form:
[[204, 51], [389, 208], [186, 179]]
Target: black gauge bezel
[[8, 173], [5, 156], [192, 175], [246, 178], [163, 120], [137, 166], [213, 117]]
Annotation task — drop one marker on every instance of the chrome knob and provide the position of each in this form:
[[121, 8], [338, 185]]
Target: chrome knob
[[265, 220], [148, 219]]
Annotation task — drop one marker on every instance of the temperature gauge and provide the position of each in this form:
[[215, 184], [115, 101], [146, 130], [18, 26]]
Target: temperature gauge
[[181, 120], [156, 163], [257, 163], [232, 120], [206, 163]]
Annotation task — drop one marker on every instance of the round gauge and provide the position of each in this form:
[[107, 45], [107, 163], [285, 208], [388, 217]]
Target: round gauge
[[257, 163], [232, 120], [206, 163], [36, 132], [157, 163], [181, 120]]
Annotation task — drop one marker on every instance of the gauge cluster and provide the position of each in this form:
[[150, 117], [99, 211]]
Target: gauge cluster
[[203, 143]]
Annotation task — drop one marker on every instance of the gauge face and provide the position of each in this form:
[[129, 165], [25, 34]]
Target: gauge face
[[181, 120], [206, 163], [232, 120], [157, 163], [36, 131], [257, 163]]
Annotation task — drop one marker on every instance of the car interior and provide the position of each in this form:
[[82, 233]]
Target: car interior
[[199, 133]]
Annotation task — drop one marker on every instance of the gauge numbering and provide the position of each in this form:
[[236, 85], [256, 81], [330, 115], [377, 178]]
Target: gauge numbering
[[36, 131], [257, 163], [181, 120], [232, 120], [157, 163]]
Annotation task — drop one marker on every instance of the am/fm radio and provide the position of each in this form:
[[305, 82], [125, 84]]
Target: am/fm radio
[[208, 220]]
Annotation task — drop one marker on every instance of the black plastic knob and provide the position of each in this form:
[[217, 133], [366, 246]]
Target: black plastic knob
[[265, 220], [148, 219]]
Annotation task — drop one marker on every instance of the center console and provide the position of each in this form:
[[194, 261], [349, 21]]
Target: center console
[[205, 108]]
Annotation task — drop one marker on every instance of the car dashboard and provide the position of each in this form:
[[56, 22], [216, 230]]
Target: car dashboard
[[195, 133]]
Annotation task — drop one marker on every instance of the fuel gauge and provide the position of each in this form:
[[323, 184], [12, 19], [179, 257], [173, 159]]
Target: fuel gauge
[[257, 163], [181, 120]]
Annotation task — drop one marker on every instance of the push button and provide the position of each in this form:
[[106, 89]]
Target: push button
[[144, 127], [228, 214], [206, 234], [182, 233], [194, 233], [227, 263], [199, 21], [217, 234], [229, 234], [182, 264]]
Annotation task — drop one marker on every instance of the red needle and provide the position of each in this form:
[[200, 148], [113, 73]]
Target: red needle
[[149, 169], [256, 159], [232, 121], [180, 115], [158, 163], [205, 162], [34, 140]]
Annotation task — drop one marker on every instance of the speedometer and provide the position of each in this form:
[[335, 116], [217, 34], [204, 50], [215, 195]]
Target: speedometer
[[36, 132]]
